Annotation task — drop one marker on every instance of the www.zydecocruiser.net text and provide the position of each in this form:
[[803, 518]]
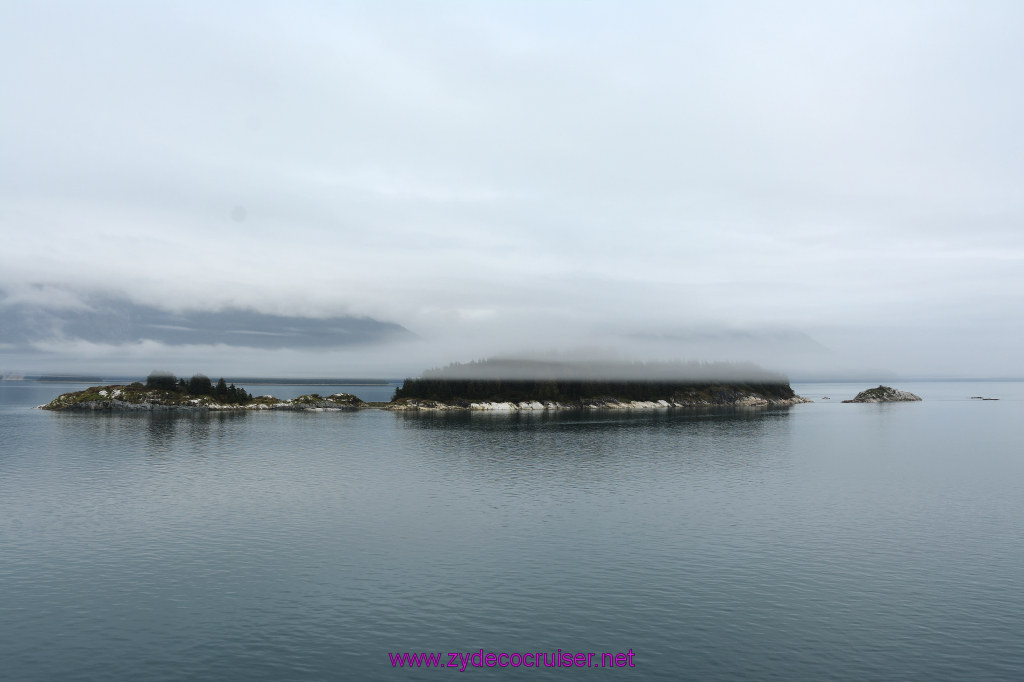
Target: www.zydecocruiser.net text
[[462, 661]]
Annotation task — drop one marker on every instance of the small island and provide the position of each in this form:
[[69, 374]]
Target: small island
[[162, 391], [883, 394], [488, 385]]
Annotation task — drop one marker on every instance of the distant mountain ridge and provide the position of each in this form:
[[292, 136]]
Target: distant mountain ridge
[[115, 320]]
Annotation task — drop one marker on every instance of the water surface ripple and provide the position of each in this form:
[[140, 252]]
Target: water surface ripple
[[826, 541]]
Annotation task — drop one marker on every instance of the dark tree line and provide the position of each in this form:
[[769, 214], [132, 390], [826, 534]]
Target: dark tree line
[[569, 381], [571, 390], [198, 385]]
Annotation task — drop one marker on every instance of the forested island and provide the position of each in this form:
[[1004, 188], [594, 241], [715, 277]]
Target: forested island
[[164, 391], [594, 384], [496, 385]]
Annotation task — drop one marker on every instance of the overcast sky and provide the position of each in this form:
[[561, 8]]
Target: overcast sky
[[810, 185]]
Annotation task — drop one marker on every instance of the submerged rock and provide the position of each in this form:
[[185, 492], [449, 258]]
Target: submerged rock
[[883, 394]]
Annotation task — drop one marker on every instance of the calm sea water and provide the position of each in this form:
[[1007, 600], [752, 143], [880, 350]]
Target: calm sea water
[[822, 542]]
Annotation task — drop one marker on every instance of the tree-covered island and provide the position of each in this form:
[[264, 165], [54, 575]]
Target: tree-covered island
[[541, 384], [164, 391], [495, 384]]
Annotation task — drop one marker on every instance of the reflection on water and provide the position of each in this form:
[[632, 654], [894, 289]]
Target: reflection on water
[[487, 419], [160, 427], [570, 446], [823, 541]]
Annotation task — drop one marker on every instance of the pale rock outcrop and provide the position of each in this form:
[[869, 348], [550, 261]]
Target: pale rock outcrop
[[883, 394]]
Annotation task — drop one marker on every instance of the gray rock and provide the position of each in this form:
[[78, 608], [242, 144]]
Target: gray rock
[[883, 394]]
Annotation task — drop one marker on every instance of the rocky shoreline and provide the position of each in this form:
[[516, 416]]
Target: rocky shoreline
[[587, 404], [138, 399]]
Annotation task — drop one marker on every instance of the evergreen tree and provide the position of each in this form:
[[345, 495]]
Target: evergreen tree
[[200, 384], [160, 380]]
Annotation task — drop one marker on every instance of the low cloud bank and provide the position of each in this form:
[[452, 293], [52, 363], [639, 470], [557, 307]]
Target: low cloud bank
[[516, 369], [104, 319]]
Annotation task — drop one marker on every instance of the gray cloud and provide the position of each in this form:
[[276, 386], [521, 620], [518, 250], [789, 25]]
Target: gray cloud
[[103, 319], [499, 176]]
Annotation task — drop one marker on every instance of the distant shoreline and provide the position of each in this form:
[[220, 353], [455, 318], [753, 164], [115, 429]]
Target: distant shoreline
[[266, 381]]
